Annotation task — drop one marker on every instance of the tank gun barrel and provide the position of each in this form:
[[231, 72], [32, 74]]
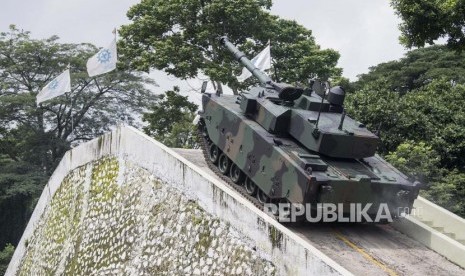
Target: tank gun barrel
[[285, 91], [241, 57]]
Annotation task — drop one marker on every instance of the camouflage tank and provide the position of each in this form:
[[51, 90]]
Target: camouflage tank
[[284, 144]]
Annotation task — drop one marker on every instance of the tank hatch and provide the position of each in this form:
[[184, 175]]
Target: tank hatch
[[310, 162], [260, 105]]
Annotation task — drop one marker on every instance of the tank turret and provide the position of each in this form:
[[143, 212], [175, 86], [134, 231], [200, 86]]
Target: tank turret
[[311, 119]]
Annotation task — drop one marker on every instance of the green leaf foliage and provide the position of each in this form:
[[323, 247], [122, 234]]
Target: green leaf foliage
[[170, 120], [296, 55], [417, 69], [20, 185], [41, 135], [181, 36], [418, 160], [432, 113], [449, 192], [425, 21], [5, 257]]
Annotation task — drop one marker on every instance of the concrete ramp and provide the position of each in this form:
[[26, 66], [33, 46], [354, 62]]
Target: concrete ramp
[[124, 204]]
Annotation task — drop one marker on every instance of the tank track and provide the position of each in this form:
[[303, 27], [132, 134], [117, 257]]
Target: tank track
[[204, 144]]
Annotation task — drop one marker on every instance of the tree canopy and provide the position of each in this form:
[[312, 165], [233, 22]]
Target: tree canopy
[[34, 138], [296, 55], [419, 98], [170, 120], [41, 134], [425, 21], [181, 38], [417, 69], [5, 256]]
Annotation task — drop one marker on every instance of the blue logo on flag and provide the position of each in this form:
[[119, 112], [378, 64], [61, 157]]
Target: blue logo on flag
[[104, 56], [53, 85]]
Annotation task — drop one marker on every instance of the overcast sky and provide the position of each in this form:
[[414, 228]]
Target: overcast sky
[[363, 31]]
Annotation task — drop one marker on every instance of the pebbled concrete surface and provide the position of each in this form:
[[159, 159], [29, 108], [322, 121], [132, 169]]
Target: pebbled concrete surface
[[95, 222], [97, 225]]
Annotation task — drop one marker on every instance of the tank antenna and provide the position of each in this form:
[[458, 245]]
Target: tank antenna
[[316, 131], [343, 116]]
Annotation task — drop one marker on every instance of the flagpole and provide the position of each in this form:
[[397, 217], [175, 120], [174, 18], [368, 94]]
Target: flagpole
[[71, 105], [273, 63], [71, 113]]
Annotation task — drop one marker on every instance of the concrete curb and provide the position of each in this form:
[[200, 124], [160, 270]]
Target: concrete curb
[[428, 211], [442, 244]]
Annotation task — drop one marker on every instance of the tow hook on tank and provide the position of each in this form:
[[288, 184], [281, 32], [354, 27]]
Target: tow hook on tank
[[326, 189], [403, 195]]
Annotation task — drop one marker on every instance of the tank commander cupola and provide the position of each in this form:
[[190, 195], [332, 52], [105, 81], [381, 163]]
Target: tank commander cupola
[[336, 96]]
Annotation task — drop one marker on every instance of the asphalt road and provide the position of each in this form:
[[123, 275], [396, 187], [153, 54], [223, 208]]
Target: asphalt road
[[363, 249]]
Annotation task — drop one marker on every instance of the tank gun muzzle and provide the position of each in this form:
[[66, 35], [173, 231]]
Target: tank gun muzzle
[[240, 56]]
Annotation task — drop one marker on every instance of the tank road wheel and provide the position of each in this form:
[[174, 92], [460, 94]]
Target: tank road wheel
[[214, 153], [224, 164], [250, 187], [262, 197], [236, 175]]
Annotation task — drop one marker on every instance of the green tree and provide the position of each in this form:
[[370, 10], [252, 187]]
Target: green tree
[[449, 192], [432, 113], [417, 160], [377, 107], [418, 98], [425, 21], [34, 138], [170, 120], [20, 186], [296, 55], [417, 69], [181, 38], [5, 256], [41, 135]]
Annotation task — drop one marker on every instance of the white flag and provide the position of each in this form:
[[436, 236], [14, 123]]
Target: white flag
[[104, 61], [262, 61], [58, 86]]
